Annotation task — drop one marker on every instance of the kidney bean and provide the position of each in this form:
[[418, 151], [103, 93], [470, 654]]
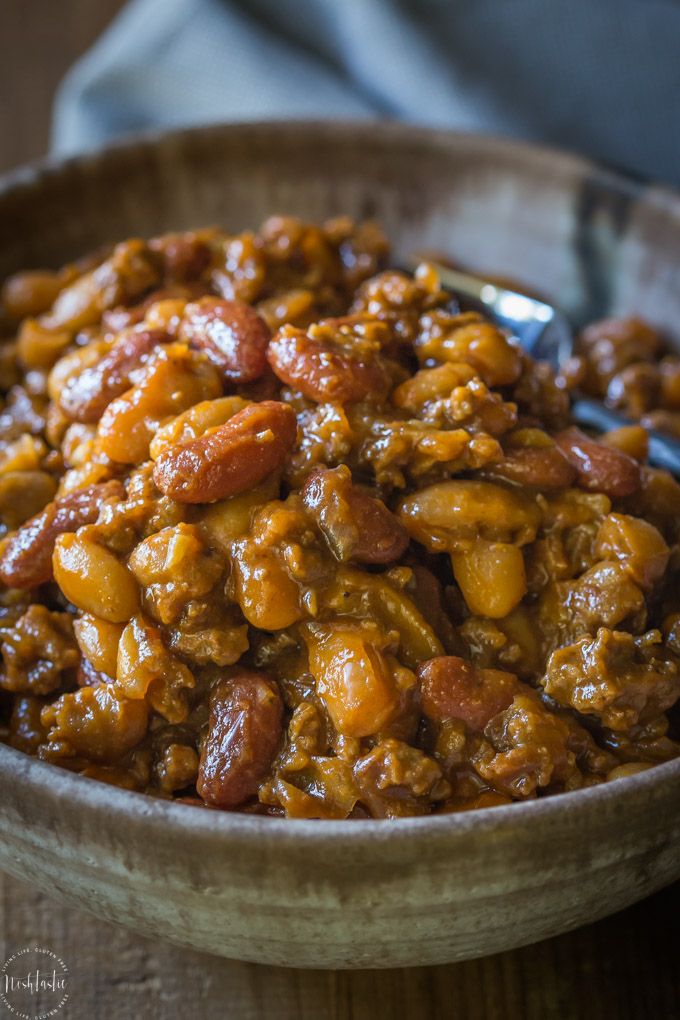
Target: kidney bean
[[452, 688], [174, 379], [233, 458], [357, 526], [86, 396], [599, 468], [183, 256], [27, 558], [232, 335], [538, 467], [244, 732], [321, 371], [194, 422]]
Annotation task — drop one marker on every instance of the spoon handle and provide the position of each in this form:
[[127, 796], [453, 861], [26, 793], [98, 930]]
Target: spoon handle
[[535, 323]]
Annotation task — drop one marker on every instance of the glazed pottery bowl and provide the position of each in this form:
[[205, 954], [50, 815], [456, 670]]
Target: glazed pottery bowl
[[359, 893]]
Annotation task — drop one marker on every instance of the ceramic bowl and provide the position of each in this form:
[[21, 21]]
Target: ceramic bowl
[[360, 893]]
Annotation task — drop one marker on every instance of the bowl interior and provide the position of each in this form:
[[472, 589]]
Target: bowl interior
[[593, 241]]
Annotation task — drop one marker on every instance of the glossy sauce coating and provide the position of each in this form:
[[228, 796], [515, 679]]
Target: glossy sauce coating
[[283, 531]]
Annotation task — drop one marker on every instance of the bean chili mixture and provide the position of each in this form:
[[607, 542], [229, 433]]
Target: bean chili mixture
[[287, 532], [626, 364]]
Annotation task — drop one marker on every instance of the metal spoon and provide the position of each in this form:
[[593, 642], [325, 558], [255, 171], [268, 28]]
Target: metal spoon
[[545, 333]]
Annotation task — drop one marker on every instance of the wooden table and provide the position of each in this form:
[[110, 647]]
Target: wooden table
[[623, 968]]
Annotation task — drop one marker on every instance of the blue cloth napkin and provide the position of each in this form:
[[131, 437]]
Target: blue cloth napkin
[[598, 76]]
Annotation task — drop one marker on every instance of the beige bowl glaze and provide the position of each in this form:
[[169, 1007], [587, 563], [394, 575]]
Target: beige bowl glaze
[[364, 893]]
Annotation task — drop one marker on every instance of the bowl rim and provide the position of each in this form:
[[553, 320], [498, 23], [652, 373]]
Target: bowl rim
[[59, 784], [81, 791], [648, 190]]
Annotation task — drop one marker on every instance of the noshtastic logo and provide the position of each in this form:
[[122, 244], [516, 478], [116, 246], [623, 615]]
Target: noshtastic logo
[[34, 983]]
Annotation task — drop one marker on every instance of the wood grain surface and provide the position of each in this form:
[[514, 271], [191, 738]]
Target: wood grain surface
[[622, 968]]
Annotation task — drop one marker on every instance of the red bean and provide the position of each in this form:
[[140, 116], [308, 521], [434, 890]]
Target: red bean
[[27, 557], [87, 395], [232, 335], [454, 689], [184, 256], [322, 371], [599, 468], [232, 458], [357, 526], [536, 467], [244, 732]]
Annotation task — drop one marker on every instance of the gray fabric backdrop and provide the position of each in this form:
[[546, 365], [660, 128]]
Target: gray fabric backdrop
[[598, 76]]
